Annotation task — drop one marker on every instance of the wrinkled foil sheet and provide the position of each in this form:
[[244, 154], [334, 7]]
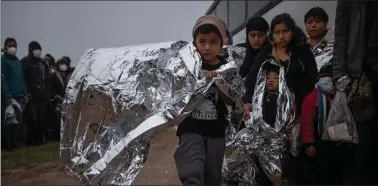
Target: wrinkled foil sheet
[[118, 98], [324, 51], [259, 143]]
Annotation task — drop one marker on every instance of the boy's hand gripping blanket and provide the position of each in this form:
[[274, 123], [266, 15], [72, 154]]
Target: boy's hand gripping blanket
[[118, 98]]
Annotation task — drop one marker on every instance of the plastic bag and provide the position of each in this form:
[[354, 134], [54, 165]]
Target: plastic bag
[[340, 125], [10, 115], [13, 113]]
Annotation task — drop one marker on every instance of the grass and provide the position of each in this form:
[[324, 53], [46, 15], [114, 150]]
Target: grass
[[29, 156]]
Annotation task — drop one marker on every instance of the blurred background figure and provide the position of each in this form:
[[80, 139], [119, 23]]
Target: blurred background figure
[[14, 92], [58, 80], [36, 73], [50, 61]]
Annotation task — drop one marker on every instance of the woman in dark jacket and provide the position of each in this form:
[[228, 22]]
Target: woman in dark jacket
[[256, 36], [289, 49], [58, 79]]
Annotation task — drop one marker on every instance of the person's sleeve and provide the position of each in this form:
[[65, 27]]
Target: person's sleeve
[[5, 88], [307, 118], [4, 84], [341, 39], [246, 66], [24, 65], [57, 86], [311, 70], [250, 81], [25, 90]]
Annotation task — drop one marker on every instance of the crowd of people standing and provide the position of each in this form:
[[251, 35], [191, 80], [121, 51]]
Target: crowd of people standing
[[283, 45], [34, 88], [32, 92]]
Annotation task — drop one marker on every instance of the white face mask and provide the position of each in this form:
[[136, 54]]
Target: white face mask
[[12, 51], [37, 53], [63, 68]]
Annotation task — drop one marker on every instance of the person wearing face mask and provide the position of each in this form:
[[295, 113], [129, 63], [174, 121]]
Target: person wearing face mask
[[50, 61], [36, 79], [12, 88], [57, 83], [64, 70], [323, 159], [70, 69]]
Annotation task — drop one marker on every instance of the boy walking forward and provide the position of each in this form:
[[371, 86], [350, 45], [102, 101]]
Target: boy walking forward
[[199, 156]]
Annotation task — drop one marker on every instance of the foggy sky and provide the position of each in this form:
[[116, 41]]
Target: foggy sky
[[72, 27]]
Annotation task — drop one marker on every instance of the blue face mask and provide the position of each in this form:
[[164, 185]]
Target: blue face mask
[[325, 86]]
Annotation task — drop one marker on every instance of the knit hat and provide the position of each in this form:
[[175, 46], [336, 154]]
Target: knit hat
[[213, 20], [34, 45], [63, 60], [67, 58], [257, 24]]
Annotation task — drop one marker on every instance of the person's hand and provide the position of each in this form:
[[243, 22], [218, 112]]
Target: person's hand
[[9, 101], [57, 97], [310, 151], [337, 85], [26, 99], [210, 74], [247, 111]]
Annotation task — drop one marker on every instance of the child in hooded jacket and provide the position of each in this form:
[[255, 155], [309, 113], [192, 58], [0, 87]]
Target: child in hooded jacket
[[199, 155], [324, 159]]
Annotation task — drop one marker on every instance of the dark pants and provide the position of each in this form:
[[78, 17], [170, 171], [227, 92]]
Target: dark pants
[[12, 136], [36, 122], [363, 164], [54, 118], [362, 161], [327, 167], [199, 159], [11, 132]]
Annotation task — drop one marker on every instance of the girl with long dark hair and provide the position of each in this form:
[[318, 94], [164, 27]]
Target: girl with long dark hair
[[288, 48]]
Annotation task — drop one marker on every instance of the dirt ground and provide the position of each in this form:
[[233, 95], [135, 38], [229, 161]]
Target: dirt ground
[[159, 169]]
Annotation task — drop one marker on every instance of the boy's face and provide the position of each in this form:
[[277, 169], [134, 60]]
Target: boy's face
[[256, 38], [272, 81], [315, 27], [209, 45]]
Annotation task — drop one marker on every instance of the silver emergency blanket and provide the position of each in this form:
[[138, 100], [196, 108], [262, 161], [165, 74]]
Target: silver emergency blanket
[[323, 52], [118, 98], [260, 143]]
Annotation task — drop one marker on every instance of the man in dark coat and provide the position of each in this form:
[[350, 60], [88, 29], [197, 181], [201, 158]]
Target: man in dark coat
[[355, 55], [36, 73]]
